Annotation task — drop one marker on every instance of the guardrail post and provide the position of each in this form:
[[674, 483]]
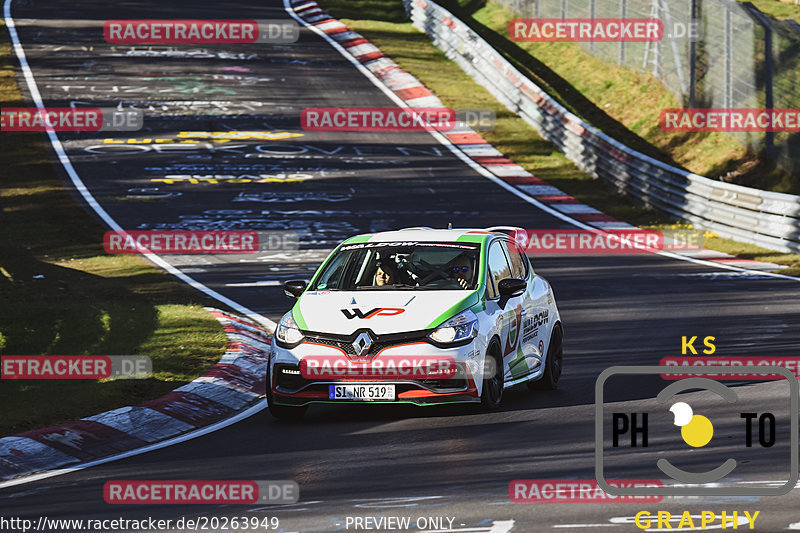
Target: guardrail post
[[623, 12], [728, 56], [769, 65], [693, 61], [768, 96]]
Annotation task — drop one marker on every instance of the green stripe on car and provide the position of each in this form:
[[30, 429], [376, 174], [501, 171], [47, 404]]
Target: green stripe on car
[[463, 304], [358, 239], [298, 317]]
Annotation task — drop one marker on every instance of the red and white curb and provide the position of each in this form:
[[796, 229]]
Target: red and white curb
[[415, 94], [236, 382]]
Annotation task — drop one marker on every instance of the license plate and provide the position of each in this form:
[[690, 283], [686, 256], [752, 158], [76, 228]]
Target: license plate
[[361, 392]]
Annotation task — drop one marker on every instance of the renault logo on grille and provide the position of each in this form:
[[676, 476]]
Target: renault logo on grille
[[362, 343]]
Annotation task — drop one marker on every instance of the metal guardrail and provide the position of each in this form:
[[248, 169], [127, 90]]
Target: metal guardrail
[[713, 54], [764, 218]]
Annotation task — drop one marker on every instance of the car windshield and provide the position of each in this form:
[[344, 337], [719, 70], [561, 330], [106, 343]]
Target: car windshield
[[401, 266]]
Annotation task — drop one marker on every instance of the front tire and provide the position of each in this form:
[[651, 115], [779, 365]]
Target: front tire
[[553, 365], [283, 412], [287, 412], [492, 393]]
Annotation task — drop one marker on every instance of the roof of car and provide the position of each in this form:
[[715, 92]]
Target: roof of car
[[426, 235]]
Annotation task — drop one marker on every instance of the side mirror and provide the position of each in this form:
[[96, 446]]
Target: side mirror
[[294, 288], [510, 287]]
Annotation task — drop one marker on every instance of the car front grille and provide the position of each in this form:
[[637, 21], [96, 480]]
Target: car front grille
[[379, 342]]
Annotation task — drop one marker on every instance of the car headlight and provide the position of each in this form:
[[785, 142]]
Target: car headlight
[[461, 328], [288, 332]]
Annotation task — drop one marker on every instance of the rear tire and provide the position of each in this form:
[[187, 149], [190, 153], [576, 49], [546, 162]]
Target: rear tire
[[492, 393], [553, 365]]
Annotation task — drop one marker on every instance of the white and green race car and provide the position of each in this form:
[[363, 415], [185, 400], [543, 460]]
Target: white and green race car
[[420, 316]]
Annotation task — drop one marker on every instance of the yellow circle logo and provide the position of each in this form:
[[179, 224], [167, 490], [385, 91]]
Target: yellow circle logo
[[696, 430]]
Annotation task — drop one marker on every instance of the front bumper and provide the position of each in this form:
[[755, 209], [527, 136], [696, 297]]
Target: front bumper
[[289, 387]]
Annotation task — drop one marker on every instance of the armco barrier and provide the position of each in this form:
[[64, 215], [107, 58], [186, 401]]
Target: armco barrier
[[768, 219]]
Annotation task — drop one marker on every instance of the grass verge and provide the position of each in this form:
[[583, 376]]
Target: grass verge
[[778, 9], [63, 295], [385, 24]]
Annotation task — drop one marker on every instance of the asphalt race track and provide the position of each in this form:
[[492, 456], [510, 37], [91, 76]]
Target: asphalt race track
[[349, 460]]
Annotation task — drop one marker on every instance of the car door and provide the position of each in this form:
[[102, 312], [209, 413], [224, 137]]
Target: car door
[[525, 357], [535, 313], [509, 317]]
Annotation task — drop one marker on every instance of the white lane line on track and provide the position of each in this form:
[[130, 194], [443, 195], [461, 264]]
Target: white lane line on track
[[573, 526], [90, 200], [498, 526], [485, 173], [267, 283], [260, 406], [87, 196]]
